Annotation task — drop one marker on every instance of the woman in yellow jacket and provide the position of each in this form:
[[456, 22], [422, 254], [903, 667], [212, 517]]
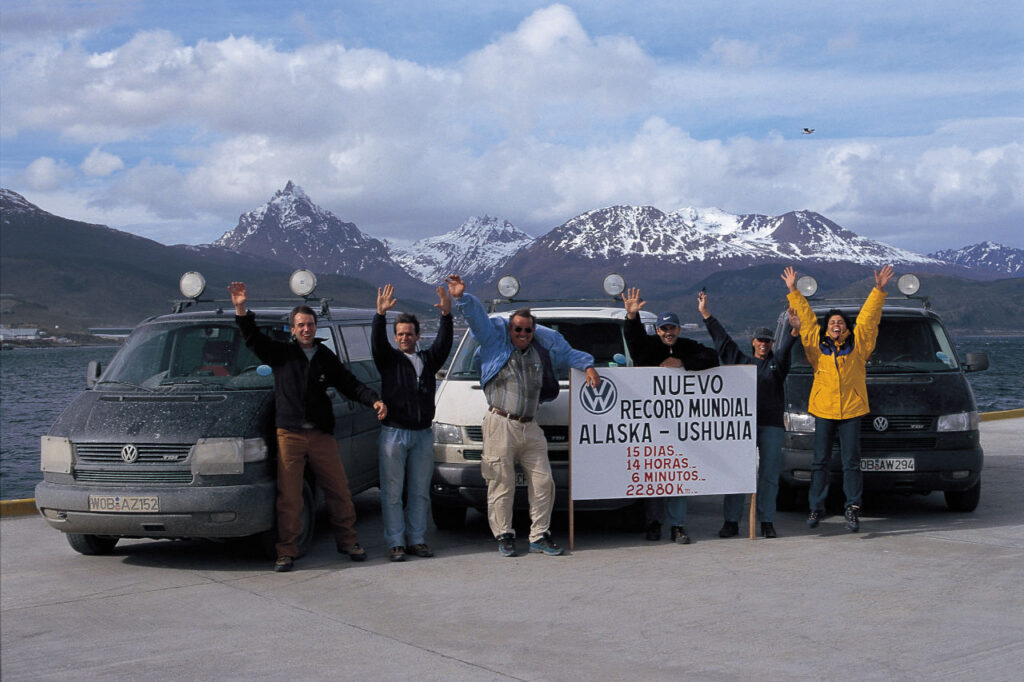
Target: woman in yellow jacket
[[839, 395]]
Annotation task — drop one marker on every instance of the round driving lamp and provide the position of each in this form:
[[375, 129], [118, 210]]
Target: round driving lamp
[[302, 282], [192, 285], [508, 286], [807, 285], [908, 284], [614, 284]]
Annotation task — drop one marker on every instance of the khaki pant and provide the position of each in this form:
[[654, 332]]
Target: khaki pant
[[293, 449], [507, 442]]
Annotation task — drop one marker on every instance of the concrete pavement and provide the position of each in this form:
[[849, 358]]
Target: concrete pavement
[[919, 593]]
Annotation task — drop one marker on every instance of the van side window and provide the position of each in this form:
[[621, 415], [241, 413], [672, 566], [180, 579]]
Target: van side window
[[324, 332], [360, 357]]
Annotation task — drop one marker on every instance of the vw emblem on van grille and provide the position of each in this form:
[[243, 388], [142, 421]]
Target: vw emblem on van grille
[[129, 453], [880, 423], [601, 399]]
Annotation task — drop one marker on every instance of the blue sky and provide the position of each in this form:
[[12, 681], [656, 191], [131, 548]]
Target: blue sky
[[169, 119]]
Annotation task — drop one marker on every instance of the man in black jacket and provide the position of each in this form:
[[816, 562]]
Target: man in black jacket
[[303, 370], [666, 349], [772, 369], [406, 444]]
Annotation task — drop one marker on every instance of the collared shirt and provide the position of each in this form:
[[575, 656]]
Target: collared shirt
[[516, 387]]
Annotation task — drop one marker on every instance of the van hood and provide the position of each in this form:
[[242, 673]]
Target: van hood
[[932, 393], [167, 418]]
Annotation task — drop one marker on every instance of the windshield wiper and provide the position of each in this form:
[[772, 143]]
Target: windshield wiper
[[124, 383]]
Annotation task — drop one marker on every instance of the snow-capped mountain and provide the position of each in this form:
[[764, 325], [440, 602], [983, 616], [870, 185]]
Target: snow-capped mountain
[[986, 255], [292, 229], [477, 249], [692, 235]]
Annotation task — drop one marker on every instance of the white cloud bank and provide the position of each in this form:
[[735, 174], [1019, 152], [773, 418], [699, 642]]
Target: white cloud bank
[[174, 140]]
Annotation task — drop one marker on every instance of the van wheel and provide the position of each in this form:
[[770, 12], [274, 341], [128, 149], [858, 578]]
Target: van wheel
[[268, 538], [964, 500], [448, 518], [91, 545]]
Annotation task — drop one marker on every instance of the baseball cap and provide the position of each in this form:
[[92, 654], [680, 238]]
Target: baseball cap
[[764, 333], [667, 318]]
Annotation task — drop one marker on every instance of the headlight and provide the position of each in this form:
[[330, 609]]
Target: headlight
[[55, 454], [961, 421], [220, 456], [450, 434], [801, 422]]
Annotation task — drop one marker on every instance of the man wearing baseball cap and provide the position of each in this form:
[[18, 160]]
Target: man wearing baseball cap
[[667, 349]]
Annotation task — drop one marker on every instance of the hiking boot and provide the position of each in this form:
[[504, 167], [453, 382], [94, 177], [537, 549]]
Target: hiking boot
[[767, 530], [814, 518], [354, 551], [653, 531], [283, 564], [679, 536], [420, 549], [546, 545], [729, 529], [507, 544], [853, 518], [397, 553]]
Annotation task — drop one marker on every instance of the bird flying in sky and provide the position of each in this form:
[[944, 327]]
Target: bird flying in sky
[[808, 131]]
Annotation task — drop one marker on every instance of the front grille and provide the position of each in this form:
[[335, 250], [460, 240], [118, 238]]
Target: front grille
[[901, 423], [553, 433], [475, 433], [149, 453], [126, 475], [473, 455]]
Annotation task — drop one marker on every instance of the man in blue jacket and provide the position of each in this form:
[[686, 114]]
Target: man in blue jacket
[[519, 360], [772, 369], [406, 443]]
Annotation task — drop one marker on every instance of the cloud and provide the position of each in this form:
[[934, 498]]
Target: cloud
[[46, 173], [101, 164]]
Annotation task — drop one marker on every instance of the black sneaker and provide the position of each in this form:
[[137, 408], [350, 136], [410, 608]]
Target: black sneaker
[[767, 530], [421, 550], [853, 518], [653, 531], [814, 518], [546, 545], [397, 553], [729, 529], [507, 544], [679, 536], [283, 564], [354, 551]]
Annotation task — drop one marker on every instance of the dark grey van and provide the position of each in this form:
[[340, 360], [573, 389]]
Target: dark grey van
[[176, 437], [922, 432]]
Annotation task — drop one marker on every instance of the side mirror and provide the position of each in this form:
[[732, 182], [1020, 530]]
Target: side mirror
[[976, 362], [94, 369]]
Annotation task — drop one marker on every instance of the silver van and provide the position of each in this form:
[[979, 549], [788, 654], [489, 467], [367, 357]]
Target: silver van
[[176, 438]]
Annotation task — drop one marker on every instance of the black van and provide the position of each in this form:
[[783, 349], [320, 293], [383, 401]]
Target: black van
[[176, 438], [922, 432]]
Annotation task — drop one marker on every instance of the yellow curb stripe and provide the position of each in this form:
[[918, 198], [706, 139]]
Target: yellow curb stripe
[[17, 507], [1003, 414]]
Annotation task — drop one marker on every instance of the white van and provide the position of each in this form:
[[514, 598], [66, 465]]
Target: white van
[[458, 421]]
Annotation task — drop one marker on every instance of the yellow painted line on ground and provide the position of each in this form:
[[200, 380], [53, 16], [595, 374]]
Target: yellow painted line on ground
[[17, 507], [1004, 414]]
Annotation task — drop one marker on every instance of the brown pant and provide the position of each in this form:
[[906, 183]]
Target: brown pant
[[293, 449]]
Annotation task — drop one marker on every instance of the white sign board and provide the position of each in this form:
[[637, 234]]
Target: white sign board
[[659, 432]]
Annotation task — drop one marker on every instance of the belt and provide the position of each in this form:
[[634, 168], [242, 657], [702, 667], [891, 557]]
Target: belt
[[514, 417]]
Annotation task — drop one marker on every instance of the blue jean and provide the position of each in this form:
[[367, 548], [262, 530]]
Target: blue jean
[[406, 460], [769, 461], [825, 431], [671, 510]]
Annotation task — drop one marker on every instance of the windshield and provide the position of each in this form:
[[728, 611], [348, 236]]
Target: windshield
[[601, 338], [905, 344], [188, 357]]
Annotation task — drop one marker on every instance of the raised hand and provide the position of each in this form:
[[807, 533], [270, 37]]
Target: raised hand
[[702, 304], [385, 299], [455, 285], [789, 277], [631, 299], [883, 276], [239, 296], [794, 322], [445, 301]]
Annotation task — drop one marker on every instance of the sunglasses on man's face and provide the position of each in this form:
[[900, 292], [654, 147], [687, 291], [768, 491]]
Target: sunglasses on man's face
[[521, 330]]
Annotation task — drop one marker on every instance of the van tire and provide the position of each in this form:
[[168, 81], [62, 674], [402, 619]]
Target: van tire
[[91, 545], [268, 538], [448, 518], [964, 500]]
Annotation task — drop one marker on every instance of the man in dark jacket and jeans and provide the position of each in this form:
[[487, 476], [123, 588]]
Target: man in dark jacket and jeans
[[303, 370], [406, 444], [772, 369], [666, 349]]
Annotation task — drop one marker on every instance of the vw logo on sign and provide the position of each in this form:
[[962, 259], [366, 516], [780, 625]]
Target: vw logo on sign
[[601, 399], [129, 453], [880, 423]]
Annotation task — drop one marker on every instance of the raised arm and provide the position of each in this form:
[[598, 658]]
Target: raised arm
[[239, 297], [633, 303]]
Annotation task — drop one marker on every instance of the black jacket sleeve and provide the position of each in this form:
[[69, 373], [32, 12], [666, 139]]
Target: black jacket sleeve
[[269, 351], [438, 352], [728, 351], [342, 379]]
